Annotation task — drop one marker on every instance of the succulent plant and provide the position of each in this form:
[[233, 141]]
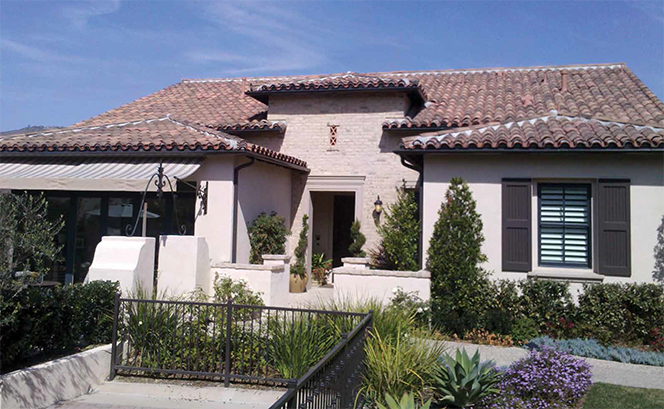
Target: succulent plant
[[461, 380], [407, 402]]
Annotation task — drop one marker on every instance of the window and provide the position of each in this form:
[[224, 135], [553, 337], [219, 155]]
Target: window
[[564, 225], [333, 134]]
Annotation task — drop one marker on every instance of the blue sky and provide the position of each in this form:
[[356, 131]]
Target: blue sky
[[61, 62]]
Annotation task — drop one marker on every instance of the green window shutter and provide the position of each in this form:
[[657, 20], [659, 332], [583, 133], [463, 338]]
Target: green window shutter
[[614, 228], [516, 229], [564, 225]]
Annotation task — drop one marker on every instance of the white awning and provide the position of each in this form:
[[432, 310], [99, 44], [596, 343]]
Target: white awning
[[91, 174]]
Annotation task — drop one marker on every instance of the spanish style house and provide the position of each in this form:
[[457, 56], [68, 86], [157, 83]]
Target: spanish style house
[[566, 164]]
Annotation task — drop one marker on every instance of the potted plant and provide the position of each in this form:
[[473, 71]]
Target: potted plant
[[321, 268]]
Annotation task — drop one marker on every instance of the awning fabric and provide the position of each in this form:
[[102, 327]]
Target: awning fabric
[[91, 174]]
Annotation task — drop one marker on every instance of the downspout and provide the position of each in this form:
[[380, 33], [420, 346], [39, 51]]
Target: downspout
[[420, 170], [236, 173]]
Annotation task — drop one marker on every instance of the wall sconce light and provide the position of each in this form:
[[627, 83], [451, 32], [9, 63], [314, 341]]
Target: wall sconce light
[[378, 206]]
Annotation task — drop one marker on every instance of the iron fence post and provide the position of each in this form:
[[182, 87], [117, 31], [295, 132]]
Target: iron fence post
[[292, 384], [229, 318], [114, 335]]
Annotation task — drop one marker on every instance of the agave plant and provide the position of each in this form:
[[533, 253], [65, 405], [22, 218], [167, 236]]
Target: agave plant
[[462, 381], [407, 402]]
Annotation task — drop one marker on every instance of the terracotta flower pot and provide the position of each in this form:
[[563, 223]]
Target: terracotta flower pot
[[297, 284]]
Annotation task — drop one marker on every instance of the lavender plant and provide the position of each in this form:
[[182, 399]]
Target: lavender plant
[[546, 379]]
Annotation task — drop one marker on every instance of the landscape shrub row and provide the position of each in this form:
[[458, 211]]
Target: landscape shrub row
[[41, 321]]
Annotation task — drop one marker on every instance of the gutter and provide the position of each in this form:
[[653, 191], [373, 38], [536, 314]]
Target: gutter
[[434, 151], [236, 174], [419, 169]]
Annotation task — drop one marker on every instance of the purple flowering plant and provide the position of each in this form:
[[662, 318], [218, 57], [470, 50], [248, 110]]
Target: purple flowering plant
[[546, 379]]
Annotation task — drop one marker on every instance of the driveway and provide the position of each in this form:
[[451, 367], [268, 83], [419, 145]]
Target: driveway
[[129, 395]]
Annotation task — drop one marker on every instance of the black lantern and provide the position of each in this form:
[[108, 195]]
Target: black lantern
[[378, 206]]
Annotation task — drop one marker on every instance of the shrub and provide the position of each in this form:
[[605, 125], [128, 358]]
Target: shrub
[[407, 402], [524, 329], [459, 286], [267, 235], [400, 235], [658, 271], [26, 241], [621, 312], [504, 306], [299, 268], [656, 340], [546, 302], [358, 239], [410, 301], [225, 288], [462, 381], [484, 337], [56, 320], [590, 348], [320, 268], [547, 378]]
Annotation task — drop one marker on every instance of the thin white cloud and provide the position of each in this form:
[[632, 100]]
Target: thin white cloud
[[36, 53], [652, 9], [274, 39], [79, 15]]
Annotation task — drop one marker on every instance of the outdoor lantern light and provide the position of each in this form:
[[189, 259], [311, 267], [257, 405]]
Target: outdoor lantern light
[[378, 206]]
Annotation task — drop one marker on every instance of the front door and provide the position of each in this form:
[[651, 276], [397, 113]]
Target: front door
[[344, 212]]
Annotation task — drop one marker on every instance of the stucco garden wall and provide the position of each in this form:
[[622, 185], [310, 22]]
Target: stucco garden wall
[[362, 148], [217, 225], [484, 174]]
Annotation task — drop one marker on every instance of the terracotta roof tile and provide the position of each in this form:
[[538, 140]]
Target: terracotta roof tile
[[155, 134], [349, 80], [552, 131]]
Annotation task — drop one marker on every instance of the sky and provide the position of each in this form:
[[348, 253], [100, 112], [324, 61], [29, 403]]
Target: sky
[[63, 62]]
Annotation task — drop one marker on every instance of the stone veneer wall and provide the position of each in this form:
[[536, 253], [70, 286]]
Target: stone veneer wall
[[362, 148]]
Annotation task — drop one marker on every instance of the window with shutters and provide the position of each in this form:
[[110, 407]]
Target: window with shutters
[[564, 225]]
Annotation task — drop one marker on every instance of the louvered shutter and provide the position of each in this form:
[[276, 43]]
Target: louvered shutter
[[564, 225], [614, 228], [516, 215]]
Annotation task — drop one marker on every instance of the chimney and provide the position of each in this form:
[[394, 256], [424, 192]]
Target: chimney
[[244, 85], [563, 81]]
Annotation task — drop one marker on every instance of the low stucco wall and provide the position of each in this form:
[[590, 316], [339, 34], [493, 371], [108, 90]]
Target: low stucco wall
[[364, 283], [271, 278], [65, 378], [184, 265], [484, 174]]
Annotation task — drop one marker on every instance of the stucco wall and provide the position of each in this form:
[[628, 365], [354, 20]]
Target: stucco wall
[[362, 148], [216, 225], [484, 174], [261, 188]]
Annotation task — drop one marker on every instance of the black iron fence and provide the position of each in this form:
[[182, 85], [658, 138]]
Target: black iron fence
[[318, 354]]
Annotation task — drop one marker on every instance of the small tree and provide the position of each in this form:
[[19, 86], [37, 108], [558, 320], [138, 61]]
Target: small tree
[[458, 282], [267, 235], [658, 272], [27, 241], [400, 234], [299, 268], [358, 238]]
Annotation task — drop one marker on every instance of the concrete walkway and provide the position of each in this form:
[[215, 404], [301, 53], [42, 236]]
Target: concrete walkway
[[616, 373], [126, 395]]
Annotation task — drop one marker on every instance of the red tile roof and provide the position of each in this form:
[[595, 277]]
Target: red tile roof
[[452, 98], [545, 132], [144, 135]]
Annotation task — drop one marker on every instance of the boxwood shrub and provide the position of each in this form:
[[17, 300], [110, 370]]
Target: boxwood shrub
[[49, 321]]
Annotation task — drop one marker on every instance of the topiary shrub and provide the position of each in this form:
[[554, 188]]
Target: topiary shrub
[[267, 235], [299, 269], [358, 238], [400, 235], [658, 271], [459, 285]]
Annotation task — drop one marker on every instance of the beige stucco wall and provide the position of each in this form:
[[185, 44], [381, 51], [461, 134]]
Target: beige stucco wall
[[216, 225], [261, 188], [362, 148], [484, 174]]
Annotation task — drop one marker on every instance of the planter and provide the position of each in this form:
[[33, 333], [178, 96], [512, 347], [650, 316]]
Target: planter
[[297, 284]]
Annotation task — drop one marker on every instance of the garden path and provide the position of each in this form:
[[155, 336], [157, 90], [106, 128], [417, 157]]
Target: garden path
[[616, 373], [130, 395]]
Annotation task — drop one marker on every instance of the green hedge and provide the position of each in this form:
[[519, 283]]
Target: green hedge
[[618, 314], [51, 321]]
